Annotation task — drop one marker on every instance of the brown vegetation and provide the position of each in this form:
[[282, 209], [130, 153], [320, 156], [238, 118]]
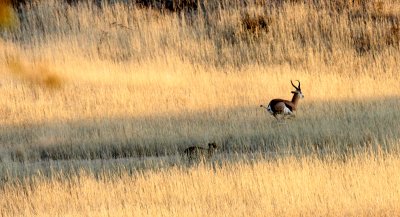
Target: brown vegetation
[[393, 36], [8, 18], [256, 24], [36, 74]]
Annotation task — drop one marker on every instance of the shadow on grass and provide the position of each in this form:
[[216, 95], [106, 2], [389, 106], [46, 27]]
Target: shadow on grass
[[319, 127]]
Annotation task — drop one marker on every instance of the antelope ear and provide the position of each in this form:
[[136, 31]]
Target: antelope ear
[[294, 92]]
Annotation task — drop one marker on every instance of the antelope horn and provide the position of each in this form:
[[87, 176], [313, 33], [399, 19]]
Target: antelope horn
[[297, 88], [299, 84]]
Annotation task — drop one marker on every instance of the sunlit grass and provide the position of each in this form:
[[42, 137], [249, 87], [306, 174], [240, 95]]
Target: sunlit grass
[[97, 103], [134, 77], [364, 185]]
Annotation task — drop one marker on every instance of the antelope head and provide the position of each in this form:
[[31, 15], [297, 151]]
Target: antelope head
[[298, 89]]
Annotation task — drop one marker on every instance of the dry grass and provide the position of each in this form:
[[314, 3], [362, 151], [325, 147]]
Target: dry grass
[[8, 18], [92, 87], [37, 74], [134, 81], [366, 185]]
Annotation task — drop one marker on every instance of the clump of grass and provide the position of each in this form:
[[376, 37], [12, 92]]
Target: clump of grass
[[8, 18], [393, 36], [362, 43], [169, 5], [91, 152], [345, 6], [40, 74], [18, 155], [107, 47], [256, 24], [384, 11]]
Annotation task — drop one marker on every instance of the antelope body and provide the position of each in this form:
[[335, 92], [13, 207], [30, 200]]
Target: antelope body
[[200, 153], [284, 107]]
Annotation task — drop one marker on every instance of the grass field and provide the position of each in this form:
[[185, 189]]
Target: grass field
[[106, 97], [367, 185]]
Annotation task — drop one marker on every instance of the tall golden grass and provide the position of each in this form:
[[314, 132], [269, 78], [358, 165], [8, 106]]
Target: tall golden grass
[[132, 62], [134, 78], [86, 86], [366, 185]]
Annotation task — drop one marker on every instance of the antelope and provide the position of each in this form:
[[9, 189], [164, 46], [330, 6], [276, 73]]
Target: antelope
[[285, 107], [200, 153]]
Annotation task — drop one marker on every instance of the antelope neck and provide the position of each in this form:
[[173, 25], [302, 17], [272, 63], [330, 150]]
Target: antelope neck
[[296, 98]]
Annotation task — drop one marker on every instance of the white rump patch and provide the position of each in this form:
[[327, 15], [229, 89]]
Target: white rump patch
[[286, 111], [269, 109]]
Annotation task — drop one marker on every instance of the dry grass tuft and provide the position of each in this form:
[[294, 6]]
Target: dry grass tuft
[[36, 74], [393, 36], [384, 11], [8, 18], [18, 155], [255, 24], [362, 44], [169, 5]]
